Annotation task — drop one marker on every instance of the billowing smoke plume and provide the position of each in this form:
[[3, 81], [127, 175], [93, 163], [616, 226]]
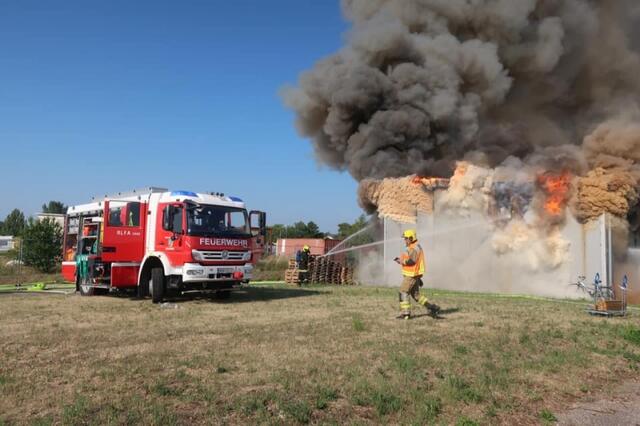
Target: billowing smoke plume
[[424, 83]]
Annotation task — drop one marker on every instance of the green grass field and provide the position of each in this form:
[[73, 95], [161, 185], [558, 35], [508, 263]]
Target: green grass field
[[321, 355]]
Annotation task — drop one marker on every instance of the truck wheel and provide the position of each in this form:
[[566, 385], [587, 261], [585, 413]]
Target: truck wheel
[[156, 285], [85, 287]]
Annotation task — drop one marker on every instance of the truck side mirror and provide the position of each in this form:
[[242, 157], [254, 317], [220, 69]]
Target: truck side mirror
[[167, 218]]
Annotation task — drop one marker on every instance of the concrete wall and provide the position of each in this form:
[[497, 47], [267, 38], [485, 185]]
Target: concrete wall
[[629, 265], [318, 246]]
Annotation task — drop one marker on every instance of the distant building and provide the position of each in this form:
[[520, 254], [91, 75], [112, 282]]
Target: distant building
[[57, 217], [319, 246], [6, 243]]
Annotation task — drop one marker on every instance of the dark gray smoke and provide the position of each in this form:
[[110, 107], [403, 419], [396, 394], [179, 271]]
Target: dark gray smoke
[[423, 83]]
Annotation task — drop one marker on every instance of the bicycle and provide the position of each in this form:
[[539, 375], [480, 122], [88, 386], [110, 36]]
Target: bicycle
[[601, 294], [597, 291]]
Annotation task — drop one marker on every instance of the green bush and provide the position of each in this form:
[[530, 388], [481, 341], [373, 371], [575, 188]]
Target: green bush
[[42, 245]]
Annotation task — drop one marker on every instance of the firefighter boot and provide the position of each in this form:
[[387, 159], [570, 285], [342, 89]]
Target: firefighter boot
[[433, 309], [405, 306]]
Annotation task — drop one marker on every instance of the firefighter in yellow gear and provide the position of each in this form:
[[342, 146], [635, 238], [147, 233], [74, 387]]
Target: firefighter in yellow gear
[[413, 266]]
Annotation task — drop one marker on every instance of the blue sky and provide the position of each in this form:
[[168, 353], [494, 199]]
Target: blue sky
[[103, 96]]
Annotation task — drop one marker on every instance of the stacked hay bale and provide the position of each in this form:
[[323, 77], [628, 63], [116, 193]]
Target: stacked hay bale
[[398, 198]]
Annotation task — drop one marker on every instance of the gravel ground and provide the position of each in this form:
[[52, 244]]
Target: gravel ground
[[621, 407]]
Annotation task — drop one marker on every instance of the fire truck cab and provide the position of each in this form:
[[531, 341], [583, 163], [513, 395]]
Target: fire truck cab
[[160, 242]]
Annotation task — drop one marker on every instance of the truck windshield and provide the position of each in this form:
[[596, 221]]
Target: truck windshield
[[213, 221]]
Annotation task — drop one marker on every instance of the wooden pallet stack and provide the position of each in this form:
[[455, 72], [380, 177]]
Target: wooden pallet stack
[[333, 274], [292, 274], [321, 270], [346, 276], [314, 262]]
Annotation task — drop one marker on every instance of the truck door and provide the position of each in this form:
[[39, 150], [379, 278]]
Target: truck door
[[170, 228], [124, 231], [258, 223]]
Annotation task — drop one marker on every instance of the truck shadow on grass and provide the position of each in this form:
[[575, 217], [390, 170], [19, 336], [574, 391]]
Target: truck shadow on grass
[[245, 295]]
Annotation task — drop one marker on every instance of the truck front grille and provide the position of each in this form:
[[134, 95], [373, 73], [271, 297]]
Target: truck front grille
[[223, 255]]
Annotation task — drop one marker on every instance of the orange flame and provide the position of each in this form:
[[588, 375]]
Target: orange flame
[[556, 187], [417, 180], [431, 183]]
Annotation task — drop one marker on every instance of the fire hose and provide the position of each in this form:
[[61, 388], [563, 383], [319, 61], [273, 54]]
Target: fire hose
[[37, 288]]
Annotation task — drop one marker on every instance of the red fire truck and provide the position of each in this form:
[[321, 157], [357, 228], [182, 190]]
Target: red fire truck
[[160, 242]]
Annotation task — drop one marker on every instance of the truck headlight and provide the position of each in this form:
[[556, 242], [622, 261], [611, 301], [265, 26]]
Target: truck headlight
[[246, 256], [197, 255]]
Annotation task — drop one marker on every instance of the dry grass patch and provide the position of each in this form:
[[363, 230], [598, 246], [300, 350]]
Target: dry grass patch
[[25, 274], [274, 354]]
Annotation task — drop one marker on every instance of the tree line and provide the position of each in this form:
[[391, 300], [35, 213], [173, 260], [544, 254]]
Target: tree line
[[40, 241], [16, 221], [311, 230]]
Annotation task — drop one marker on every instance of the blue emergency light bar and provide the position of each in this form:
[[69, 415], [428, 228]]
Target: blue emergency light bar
[[236, 199], [184, 194]]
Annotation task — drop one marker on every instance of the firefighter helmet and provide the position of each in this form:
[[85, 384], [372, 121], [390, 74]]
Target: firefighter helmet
[[409, 233], [306, 248]]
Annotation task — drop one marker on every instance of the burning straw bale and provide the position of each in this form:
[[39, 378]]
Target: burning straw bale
[[398, 199], [602, 191], [613, 152], [469, 188]]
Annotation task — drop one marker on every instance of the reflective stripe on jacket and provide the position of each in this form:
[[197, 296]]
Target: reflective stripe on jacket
[[412, 261]]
